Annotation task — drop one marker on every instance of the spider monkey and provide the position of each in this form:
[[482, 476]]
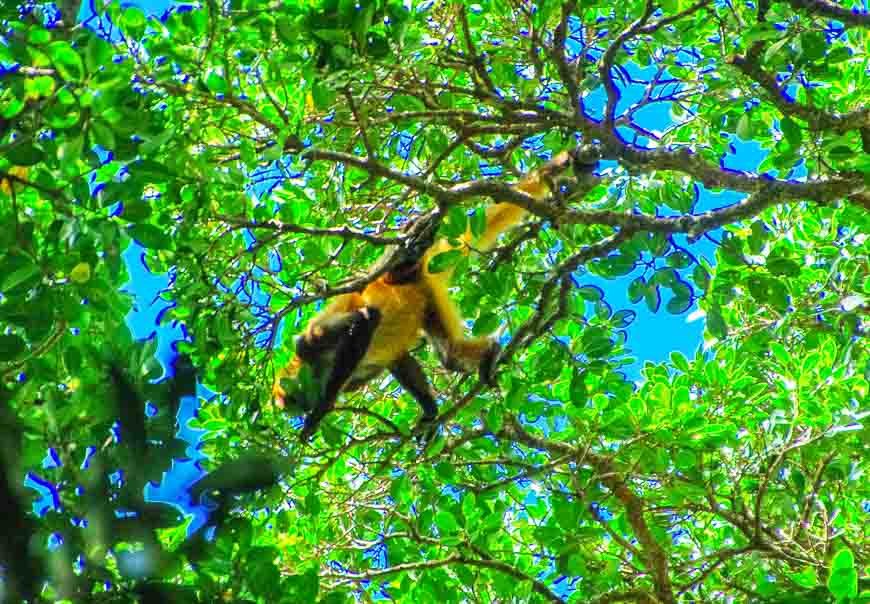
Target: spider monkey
[[362, 333]]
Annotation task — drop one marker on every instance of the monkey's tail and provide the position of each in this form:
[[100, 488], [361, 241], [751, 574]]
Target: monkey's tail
[[501, 217]]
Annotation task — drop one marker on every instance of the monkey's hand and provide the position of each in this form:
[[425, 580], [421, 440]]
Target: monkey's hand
[[308, 429], [426, 429], [489, 363]]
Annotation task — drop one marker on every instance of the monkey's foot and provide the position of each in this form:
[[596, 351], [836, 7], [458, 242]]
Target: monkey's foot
[[488, 363]]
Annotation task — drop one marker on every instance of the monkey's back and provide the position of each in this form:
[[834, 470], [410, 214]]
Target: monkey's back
[[403, 310]]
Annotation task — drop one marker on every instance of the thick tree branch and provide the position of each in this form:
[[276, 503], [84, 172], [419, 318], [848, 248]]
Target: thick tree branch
[[605, 67], [557, 54], [392, 570], [818, 119], [834, 11], [343, 232], [497, 565], [505, 568], [632, 595], [654, 27], [654, 555], [474, 57]]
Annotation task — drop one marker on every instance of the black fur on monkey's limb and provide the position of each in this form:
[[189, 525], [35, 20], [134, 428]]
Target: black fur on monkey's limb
[[346, 338]]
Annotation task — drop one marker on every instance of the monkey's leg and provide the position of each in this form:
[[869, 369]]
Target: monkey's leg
[[349, 338], [457, 352], [410, 375]]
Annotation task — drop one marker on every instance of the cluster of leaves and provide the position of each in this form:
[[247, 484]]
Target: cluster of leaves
[[269, 155]]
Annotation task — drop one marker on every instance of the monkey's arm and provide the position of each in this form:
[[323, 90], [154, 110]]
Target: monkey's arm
[[411, 377], [349, 336], [332, 346], [319, 338]]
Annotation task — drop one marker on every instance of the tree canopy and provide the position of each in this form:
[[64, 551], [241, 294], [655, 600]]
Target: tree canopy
[[266, 156]]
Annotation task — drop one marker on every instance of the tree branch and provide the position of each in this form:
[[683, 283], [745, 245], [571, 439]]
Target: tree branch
[[654, 555], [834, 11], [607, 61], [817, 119]]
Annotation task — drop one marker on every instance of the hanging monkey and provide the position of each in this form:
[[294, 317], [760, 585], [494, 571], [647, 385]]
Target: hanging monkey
[[362, 333]]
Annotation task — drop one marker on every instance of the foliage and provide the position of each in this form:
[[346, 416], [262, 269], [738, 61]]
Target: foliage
[[270, 154]]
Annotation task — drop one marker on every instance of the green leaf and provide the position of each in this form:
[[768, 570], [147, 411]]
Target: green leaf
[[72, 358], [25, 154], [400, 489], [596, 342], [261, 572], [446, 522], [813, 45], [287, 30], [133, 22], [636, 289], [744, 127], [97, 54], [686, 460], [151, 170], [806, 578], [791, 131], [678, 259], [150, 236], [39, 36], [304, 587], [590, 293], [615, 265], [487, 322], [844, 559], [137, 211], [323, 95], [495, 419], [757, 237], [102, 134], [69, 153], [679, 360], [11, 347], [362, 21], [841, 153], [760, 31], [64, 112], [67, 61], [623, 318], [444, 261], [216, 83], [652, 298], [678, 304], [312, 504], [457, 223], [313, 252], [773, 51], [567, 513], [579, 391], [780, 353], [716, 324], [783, 266], [17, 269], [406, 102], [335, 36], [838, 55], [843, 583]]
